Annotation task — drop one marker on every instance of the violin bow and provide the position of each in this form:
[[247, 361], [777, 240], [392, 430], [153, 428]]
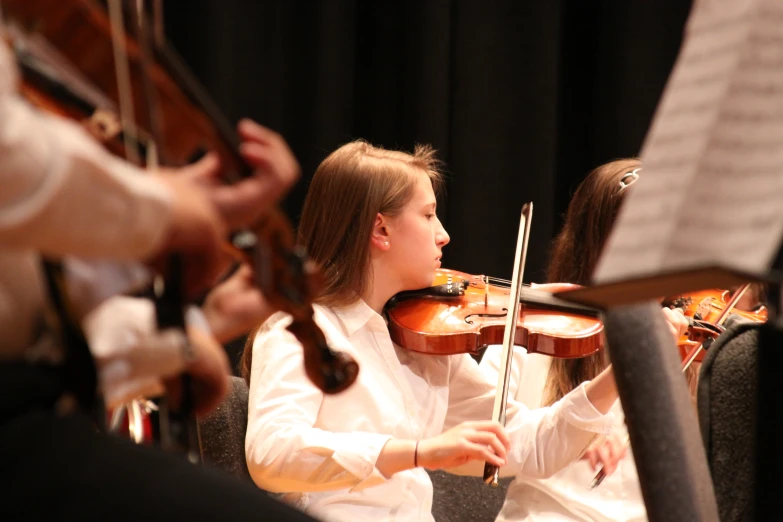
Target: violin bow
[[492, 472], [178, 427]]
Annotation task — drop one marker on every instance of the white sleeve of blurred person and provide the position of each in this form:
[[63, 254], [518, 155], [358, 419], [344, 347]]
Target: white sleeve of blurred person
[[92, 281], [131, 355], [133, 358]]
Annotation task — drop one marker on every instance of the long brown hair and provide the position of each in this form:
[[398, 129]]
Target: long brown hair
[[575, 251], [349, 189]]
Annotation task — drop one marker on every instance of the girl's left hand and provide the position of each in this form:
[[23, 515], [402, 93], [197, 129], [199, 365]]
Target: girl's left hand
[[606, 451], [677, 322]]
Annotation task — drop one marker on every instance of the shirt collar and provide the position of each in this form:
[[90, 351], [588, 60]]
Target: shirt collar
[[355, 315]]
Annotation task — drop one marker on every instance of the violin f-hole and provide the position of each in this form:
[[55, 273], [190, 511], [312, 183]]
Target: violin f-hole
[[504, 314]]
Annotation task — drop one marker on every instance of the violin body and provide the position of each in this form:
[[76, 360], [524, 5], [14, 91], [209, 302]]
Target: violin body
[[462, 313]]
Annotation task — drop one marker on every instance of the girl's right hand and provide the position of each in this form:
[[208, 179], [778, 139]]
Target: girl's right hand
[[474, 440]]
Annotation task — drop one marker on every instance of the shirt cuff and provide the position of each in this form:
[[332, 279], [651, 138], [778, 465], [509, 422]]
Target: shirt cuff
[[576, 409], [128, 349], [359, 456], [122, 392]]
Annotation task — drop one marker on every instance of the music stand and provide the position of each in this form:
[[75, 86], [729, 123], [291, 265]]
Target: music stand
[[707, 212]]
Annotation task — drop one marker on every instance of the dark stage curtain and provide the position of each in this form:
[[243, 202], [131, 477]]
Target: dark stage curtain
[[521, 98]]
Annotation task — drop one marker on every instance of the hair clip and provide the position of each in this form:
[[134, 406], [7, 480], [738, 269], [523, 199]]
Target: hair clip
[[628, 179]]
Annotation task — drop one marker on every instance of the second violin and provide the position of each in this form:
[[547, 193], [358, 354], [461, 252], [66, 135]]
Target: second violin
[[708, 310]]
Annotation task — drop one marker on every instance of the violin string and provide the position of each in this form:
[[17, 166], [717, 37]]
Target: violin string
[[503, 281], [498, 280], [526, 287], [506, 282]]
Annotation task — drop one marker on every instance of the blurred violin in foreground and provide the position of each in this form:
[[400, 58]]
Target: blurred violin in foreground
[[171, 117]]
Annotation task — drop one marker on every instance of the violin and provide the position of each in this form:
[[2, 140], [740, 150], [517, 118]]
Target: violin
[[462, 313], [707, 305], [708, 309], [189, 123], [86, 75]]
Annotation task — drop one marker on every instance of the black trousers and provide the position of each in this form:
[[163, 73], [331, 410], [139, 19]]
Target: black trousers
[[56, 467]]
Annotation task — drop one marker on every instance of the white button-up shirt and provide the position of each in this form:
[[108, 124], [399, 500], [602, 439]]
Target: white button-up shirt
[[320, 450], [567, 494], [132, 357]]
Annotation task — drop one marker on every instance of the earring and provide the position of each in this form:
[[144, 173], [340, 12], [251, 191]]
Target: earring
[[386, 243]]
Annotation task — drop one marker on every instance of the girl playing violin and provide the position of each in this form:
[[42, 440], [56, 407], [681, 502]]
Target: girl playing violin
[[540, 380], [370, 220]]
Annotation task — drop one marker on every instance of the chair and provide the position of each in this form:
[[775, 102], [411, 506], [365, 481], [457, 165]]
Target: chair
[[727, 417], [222, 432], [463, 499]]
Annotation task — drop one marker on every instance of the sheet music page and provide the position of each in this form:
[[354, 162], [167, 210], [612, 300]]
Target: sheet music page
[[711, 187]]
